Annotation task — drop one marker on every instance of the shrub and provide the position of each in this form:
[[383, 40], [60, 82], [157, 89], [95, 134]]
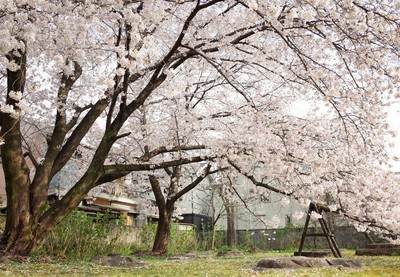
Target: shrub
[[82, 236], [181, 241], [205, 239]]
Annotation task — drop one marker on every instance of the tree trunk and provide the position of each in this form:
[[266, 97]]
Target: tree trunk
[[213, 239], [163, 233], [231, 230], [18, 234], [24, 232], [166, 207], [27, 223]]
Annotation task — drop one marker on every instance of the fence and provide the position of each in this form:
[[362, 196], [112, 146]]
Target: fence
[[289, 238], [268, 239]]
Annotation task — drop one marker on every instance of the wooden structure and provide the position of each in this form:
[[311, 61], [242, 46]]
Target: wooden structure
[[325, 229]]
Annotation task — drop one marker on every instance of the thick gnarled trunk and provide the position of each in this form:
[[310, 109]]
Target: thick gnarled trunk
[[165, 211], [163, 232], [27, 223], [18, 232]]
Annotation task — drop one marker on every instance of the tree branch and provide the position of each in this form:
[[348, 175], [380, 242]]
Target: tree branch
[[156, 188], [193, 184], [113, 172], [161, 150]]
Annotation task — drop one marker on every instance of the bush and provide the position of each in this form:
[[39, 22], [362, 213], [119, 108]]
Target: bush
[[147, 236], [82, 236], [181, 241], [205, 239]]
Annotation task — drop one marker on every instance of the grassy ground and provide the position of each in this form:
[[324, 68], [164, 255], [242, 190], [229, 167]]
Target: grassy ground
[[213, 266]]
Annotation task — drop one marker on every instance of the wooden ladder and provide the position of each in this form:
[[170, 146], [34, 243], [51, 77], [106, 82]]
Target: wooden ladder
[[330, 237]]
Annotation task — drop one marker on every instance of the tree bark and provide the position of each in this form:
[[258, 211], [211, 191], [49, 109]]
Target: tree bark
[[165, 211], [19, 230], [166, 207], [163, 233], [230, 216], [26, 223]]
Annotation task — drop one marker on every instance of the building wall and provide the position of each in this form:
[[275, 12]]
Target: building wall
[[263, 208]]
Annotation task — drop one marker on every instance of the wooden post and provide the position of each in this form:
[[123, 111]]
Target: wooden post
[[304, 235]]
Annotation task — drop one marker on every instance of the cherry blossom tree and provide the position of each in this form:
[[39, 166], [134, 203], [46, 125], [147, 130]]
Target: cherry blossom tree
[[80, 71], [164, 117], [166, 202]]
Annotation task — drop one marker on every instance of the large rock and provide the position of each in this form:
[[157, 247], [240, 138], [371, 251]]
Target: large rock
[[311, 262], [180, 257], [118, 261], [315, 254], [231, 253], [278, 263], [377, 249], [305, 262]]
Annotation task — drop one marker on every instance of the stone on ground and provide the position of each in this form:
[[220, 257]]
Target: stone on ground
[[315, 254], [231, 253], [305, 262], [378, 249], [118, 261], [190, 255]]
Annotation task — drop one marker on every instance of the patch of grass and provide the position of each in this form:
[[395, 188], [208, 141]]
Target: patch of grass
[[212, 266]]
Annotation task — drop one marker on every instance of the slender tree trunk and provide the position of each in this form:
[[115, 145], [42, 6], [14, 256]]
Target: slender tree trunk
[[165, 211], [231, 230], [213, 239], [230, 213], [163, 233]]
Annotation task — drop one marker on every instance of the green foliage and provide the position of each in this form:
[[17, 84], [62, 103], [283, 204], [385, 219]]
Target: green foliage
[[287, 238], [223, 249], [181, 241], [205, 239], [248, 243], [2, 222], [81, 236], [147, 236]]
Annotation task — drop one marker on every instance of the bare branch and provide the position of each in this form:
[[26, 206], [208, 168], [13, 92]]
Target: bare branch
[[113, 172], [163, 149]]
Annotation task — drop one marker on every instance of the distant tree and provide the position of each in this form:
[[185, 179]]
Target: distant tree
[[166, 197], [231, 238]]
